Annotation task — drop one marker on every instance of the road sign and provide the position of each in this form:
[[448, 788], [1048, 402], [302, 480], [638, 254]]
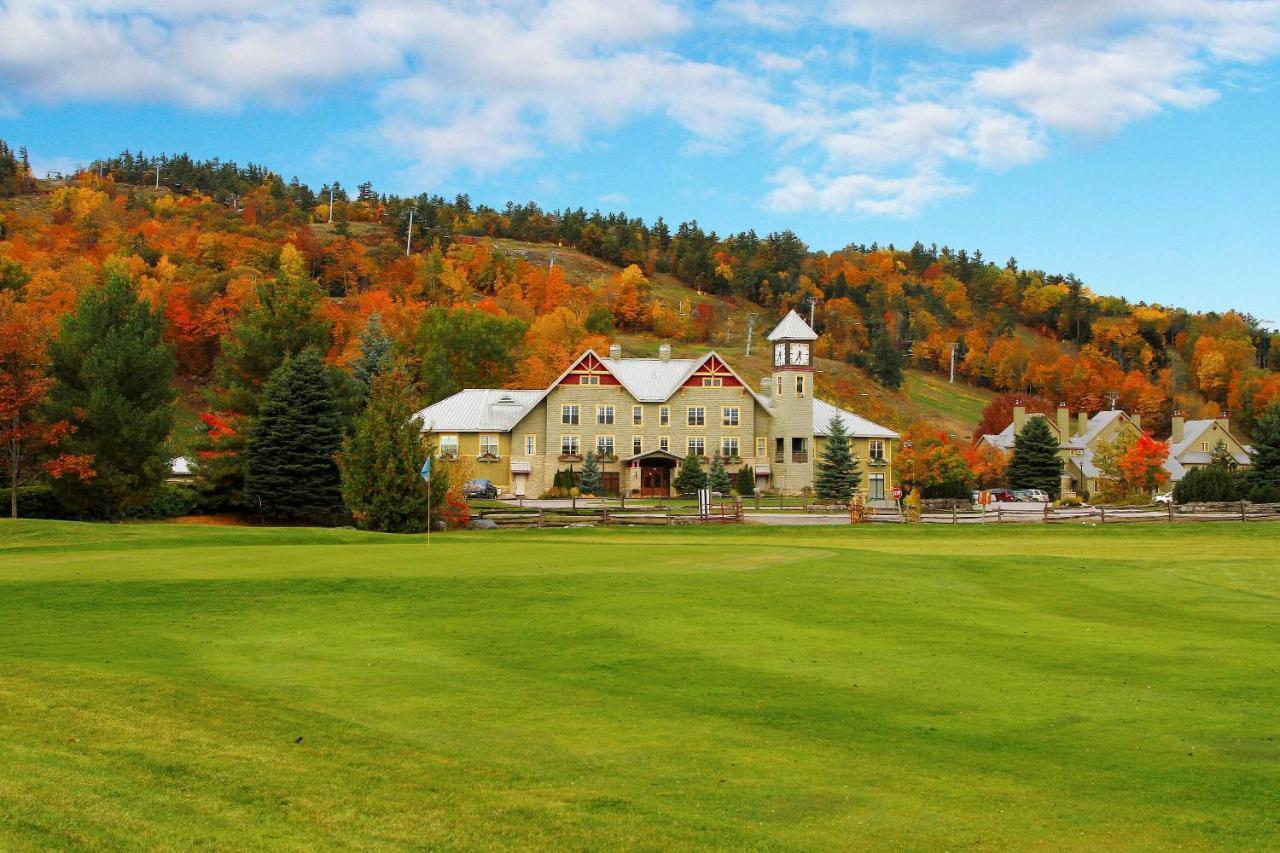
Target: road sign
[[897, 494]]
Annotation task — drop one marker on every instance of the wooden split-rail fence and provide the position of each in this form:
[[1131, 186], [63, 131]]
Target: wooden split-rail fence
[[725, 513], [1049, 514]]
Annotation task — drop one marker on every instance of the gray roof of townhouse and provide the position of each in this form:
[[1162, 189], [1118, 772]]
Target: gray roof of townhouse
[[793, 328], [1193, 431], [479, 410]]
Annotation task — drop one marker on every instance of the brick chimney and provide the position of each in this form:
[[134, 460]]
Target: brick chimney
[[664, 352], [1064, 422], [1224, 421], [1019, 417], [1178, 426], [615, 351]]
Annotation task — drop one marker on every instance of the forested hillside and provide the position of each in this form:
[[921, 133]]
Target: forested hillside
[[506, 297]]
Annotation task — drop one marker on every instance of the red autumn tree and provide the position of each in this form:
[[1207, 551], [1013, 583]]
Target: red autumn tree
[[29, 443]]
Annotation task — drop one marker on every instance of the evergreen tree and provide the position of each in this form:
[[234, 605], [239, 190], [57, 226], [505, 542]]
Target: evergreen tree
[[746, 481], [690, 477], [375, 353], [838, 474], [460, 348], [283, 321], [1211, 483], [1035, 463], [113, 382], [1222, 457], [886, 360], [589, 480], [293, 471], [1265, 454], [718, 478], [381, 461]]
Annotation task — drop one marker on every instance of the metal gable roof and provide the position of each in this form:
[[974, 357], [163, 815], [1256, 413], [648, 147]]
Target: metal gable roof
[[857, 426], [479, 410], [793, 328], [1193, 431], [651, 380]]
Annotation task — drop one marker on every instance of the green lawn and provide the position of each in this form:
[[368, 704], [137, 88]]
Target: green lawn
[[1079, 688]]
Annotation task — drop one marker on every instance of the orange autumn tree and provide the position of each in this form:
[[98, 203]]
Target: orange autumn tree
[[1132, 468], [29, 442]]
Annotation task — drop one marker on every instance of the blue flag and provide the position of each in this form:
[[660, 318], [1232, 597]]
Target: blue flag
[[426, 470]]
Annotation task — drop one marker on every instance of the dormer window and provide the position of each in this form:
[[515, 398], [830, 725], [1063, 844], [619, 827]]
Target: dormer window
[[588, 380]]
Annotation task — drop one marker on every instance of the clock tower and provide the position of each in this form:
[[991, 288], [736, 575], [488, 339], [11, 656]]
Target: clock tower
[[791, 396]]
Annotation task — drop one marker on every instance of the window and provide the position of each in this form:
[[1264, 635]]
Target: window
[[448, 445], [729, 447], [697, 416], [697, 446], [664, 443], [637, 415], [729, 416], [762, 446], [800, 386], [664, 415], [877, 487], [569, 415], [875, 449], [604, 445], [1204, 447], [779, 386], [530, 444], [569, 445], [588, 380], [488, 445], [604, 414], [712, 382], [637, 445]]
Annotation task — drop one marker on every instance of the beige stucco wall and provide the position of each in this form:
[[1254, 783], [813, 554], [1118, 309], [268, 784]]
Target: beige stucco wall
[[861, 448]]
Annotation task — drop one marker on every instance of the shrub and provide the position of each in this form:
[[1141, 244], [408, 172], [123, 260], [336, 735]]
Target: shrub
[[1265, 493], [39, 501], [746, 482], [949, 489], [169, 500], [1210, 484]]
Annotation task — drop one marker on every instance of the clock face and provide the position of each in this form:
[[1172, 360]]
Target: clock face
[[800, 354], [779, 355]]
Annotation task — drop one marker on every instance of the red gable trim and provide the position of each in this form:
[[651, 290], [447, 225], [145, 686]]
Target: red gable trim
[[587, 365]]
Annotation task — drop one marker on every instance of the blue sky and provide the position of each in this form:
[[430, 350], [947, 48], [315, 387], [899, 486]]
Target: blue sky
[[1132, 143]]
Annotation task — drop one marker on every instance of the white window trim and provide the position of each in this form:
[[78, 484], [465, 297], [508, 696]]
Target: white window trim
[[496, 444], [724, 416], [448, 438], [724, 443], [577, 442], [570, 410], [664, 443], [637, 410], [530, 444], [612, 442], [664, 416], [702, 411], [688, 444]]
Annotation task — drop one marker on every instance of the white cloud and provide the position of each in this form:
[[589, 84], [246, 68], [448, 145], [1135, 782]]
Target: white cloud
[[467, 87]]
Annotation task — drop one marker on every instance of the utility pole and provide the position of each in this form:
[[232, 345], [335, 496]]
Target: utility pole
[[551, 262], [953, 364], [813, 301], [751, 328], [408, 242], [331, 202], [157, 173]]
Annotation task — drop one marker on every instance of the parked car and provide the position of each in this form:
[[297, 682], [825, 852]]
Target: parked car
[[1164, 498], [1022, 495], [1038, 495], [998, 496], [480, 490]]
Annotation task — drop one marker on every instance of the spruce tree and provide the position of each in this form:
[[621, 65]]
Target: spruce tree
[[1265, 453], [886, 361], [375, 353], [718, 478], [589, 480], [838, 474], [1035, 463], [746, 481], [113, 382], [293, 471], [690, 477], [381, 461], [1222, 456]]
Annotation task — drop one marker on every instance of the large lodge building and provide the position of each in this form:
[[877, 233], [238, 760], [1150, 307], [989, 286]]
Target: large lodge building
[[642, 416]]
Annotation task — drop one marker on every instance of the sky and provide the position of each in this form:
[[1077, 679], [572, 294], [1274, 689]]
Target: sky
[[1131, 142]]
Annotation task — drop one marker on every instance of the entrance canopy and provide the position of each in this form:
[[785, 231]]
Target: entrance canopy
[[653, 457]]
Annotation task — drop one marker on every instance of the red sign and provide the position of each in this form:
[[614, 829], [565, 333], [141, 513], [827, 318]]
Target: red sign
[[897, 494]]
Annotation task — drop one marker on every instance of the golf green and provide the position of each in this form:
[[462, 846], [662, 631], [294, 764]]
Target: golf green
[[176, 686]]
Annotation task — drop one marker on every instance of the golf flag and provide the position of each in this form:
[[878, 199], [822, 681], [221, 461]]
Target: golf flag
[[426, 470]]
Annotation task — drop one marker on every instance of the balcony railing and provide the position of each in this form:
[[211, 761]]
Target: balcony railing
[[779, 457], [799, 456]]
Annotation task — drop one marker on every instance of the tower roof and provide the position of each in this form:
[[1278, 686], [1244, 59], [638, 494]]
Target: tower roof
[[793, 328]]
